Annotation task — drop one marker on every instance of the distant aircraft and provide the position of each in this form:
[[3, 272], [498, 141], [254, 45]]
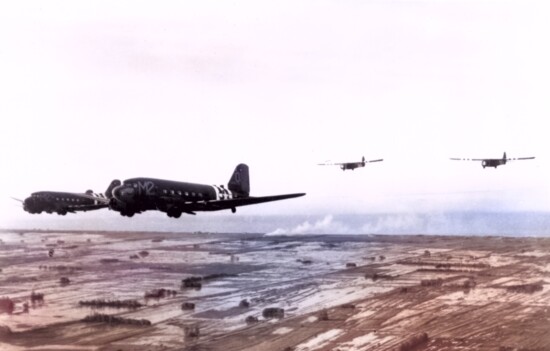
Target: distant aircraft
[[492, 162], [137, 195], [65, 202], [350, 165]]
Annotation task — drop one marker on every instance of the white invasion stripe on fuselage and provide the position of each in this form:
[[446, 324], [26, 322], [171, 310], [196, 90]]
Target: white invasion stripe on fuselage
[[222, 193]]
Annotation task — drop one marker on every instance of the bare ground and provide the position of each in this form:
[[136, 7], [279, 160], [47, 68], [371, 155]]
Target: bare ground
[[338, 292]]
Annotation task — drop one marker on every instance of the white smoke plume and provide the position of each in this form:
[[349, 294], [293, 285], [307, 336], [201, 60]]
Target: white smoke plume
[[327, 225]]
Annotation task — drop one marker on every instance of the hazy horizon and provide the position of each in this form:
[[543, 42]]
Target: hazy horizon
[[443, 223]]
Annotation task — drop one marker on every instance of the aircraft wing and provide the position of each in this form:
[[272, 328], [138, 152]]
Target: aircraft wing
[[339, 164], [520, 158], [100, 199], [470, 159], [217, 205], [381, 159]]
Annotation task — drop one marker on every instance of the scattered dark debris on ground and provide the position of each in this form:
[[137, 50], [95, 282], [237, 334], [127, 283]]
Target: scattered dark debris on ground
[[351, 265], [134, 257], [244, 303], [251, 320], [187, 306], [109, 319], [273, 312], [304, 261], [64, 281], [195, 282], [144, 253], [99, 303], [159, 293]]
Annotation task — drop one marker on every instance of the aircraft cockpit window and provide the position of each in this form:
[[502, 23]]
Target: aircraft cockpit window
[[193, 194], [135, 185], [179, 193], [165, 191], [186, 193], [200, 194], [172, 192]]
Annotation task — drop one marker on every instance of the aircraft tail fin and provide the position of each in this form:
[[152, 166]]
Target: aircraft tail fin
[[240, 182], [109, 191], [504, 157]]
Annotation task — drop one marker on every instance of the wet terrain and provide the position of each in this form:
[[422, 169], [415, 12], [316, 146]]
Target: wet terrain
[[348, 293]]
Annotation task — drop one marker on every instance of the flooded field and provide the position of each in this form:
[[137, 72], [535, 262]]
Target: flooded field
[[183, 291]]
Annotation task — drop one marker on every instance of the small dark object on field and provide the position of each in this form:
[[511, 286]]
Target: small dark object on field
[[377, 276], [37, 297], [64, 281], [251, 320], [350, 265], [413, 342], [191, 331], [187, 306], [244, 303], [159, 293], [347, 305], [157, 240], [427, 253], [304, 261], [381, 257], [323, 315], [431, 282], [6, 305], [525, 288], [144, 253], [273, 312], [192, 282], [51, 252], [109, 260], [26, 307], [134, 257]]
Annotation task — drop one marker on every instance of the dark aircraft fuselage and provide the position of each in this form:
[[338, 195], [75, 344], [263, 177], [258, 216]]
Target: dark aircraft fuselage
[[493, 162], [141, 194], [137, 195], [59, 202], [352, 165]]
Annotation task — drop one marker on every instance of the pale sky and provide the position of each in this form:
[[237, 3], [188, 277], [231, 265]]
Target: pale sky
[[93, 91]]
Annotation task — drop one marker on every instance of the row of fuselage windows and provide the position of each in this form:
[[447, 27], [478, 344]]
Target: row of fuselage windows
[[191, 194], [63, 199]]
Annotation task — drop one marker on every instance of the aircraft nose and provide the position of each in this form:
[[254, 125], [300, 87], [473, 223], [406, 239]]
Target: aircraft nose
[[123, 192]]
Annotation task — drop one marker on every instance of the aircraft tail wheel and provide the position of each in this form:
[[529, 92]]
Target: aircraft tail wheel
[[233, 210]]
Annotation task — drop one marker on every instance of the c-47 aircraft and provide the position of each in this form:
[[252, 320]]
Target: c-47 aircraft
[[65, 202], [350, 165], [492, 162], [137, 195]]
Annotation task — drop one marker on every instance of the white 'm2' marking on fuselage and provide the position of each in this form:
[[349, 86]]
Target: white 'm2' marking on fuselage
[[145, 187]]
